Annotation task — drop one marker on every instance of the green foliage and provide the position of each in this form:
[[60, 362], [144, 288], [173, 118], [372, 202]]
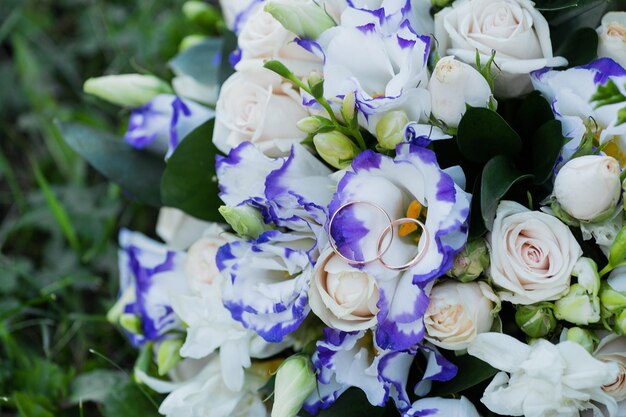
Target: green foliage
[[483, 134], [580, 48]]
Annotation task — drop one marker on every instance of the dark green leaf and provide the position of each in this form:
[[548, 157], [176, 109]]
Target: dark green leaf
[[499, 175], [137, 172], [555, 4], [189, 181], [352, 403], [547, 144], [128, 401], [199, 62], [607, 94], [534, 112], [229, 45], [95, 385], [580, 48], [477, 225], [33, 405], [472, 371], [483, 134]]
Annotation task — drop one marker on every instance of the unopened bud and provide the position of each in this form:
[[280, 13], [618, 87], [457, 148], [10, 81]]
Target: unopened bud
[[536, 320], [295, 381], [305, 18], [578, 306], [471, 262], [130, 90], [245, 220], [311, 124], [611, 299], [168, 355], [348, 107], [131, 323], [390, 129], [583, 337], [336, 149]]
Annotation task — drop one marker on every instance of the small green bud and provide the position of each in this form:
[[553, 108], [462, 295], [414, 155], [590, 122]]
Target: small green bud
[[578, 306], [130, 90], [471, 262], [168, 355], [295, 381], [131, 323], [245, 220], [390, 129], [440, 3], [336, 149], [115, 313], [201, 13], [348, 107], [314, 78], [536, 320], [618, 249], [306, 19], [311, 124], [190, 41], [612, 300], [583, 337]]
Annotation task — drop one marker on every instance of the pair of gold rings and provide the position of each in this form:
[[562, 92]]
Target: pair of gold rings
[[388, 231]]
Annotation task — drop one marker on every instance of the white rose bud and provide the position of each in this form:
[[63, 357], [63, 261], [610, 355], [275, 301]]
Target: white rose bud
[[295, 380], [304, 18], [342, 296], [390, 129], [588, 187], [130, 90], [612, 348], [453, 86], [458, 312], [336, 149], [612, 37], [532, 255]]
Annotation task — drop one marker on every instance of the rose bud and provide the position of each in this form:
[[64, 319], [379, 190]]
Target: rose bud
[[612, 348], [578, 306], [536, 320], [588, 187], [295, 380], [471, 262], [336, 149], [453, 86], [612, 37], [342, 296], [458, 312], [129, 90], [583, 337]]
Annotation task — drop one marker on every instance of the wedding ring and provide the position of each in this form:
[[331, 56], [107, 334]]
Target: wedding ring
[[388, 229]]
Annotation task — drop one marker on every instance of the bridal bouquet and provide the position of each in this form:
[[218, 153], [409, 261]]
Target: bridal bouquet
[[378, 207]]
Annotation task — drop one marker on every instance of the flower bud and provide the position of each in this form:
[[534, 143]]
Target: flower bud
[[612, 295], [586, 271], [578, 306], [305, 18], [130, 90], [336, 149], [620, 323], [390, 129], [310, 124], [348, 107], [201, 13], [440, 3], [168, 355], [471, 262], [315, 77], [583, 337], [453, 86], [295, 380], [245, 220], [131, 323], [612, 37], [588, 187], [536, 320]]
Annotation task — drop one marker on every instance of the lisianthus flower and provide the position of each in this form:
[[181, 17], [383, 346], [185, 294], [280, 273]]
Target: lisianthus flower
[[150, 274], [442, 407], [164, 122], [570, 93]]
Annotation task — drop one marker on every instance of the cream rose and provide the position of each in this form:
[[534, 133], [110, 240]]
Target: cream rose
[[612, 37], [513, 28], [344, 297], [532, 254], [255, 105], [262, 37], [612, 348], [200, 265], [458, 312]]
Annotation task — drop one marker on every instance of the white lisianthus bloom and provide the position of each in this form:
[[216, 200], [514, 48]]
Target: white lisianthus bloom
[[442, 407], [612, 37], [453, 86], [513, 28], [543, 380], [612, 348], [263, 37], [178, 229], [458, 312], [344, 297], [589, 186], [237, 11], [532, 254], [255, 105]]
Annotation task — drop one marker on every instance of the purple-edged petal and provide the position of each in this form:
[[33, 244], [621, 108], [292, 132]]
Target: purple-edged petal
[[438, 368]]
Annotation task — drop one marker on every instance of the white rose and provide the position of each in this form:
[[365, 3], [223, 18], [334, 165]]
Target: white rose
[[263, 37], [513, 28], [256, 106], [612, 348], [612, 37], [453, 85], [200, 265], [532, 254], [589, 186], [458, 312], [178, 229], [344, 297]]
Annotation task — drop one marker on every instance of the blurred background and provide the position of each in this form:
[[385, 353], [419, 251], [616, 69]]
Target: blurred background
[[59, 218]]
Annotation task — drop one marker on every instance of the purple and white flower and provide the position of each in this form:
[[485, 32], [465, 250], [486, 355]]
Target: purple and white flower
[[442, 407], [164, 122]]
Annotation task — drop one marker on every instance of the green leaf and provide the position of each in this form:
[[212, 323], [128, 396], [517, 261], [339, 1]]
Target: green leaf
[[483, 134], [607, 94], [199, 62], [137, 172], [95, 385], [33, 405], [499, 175], [580, 48], [547, 144], [128, 401], [353, 403], [189, 181], [279, 68], [228, 47], [472, 371], [477, 224], [534, 112], [549, 5]]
